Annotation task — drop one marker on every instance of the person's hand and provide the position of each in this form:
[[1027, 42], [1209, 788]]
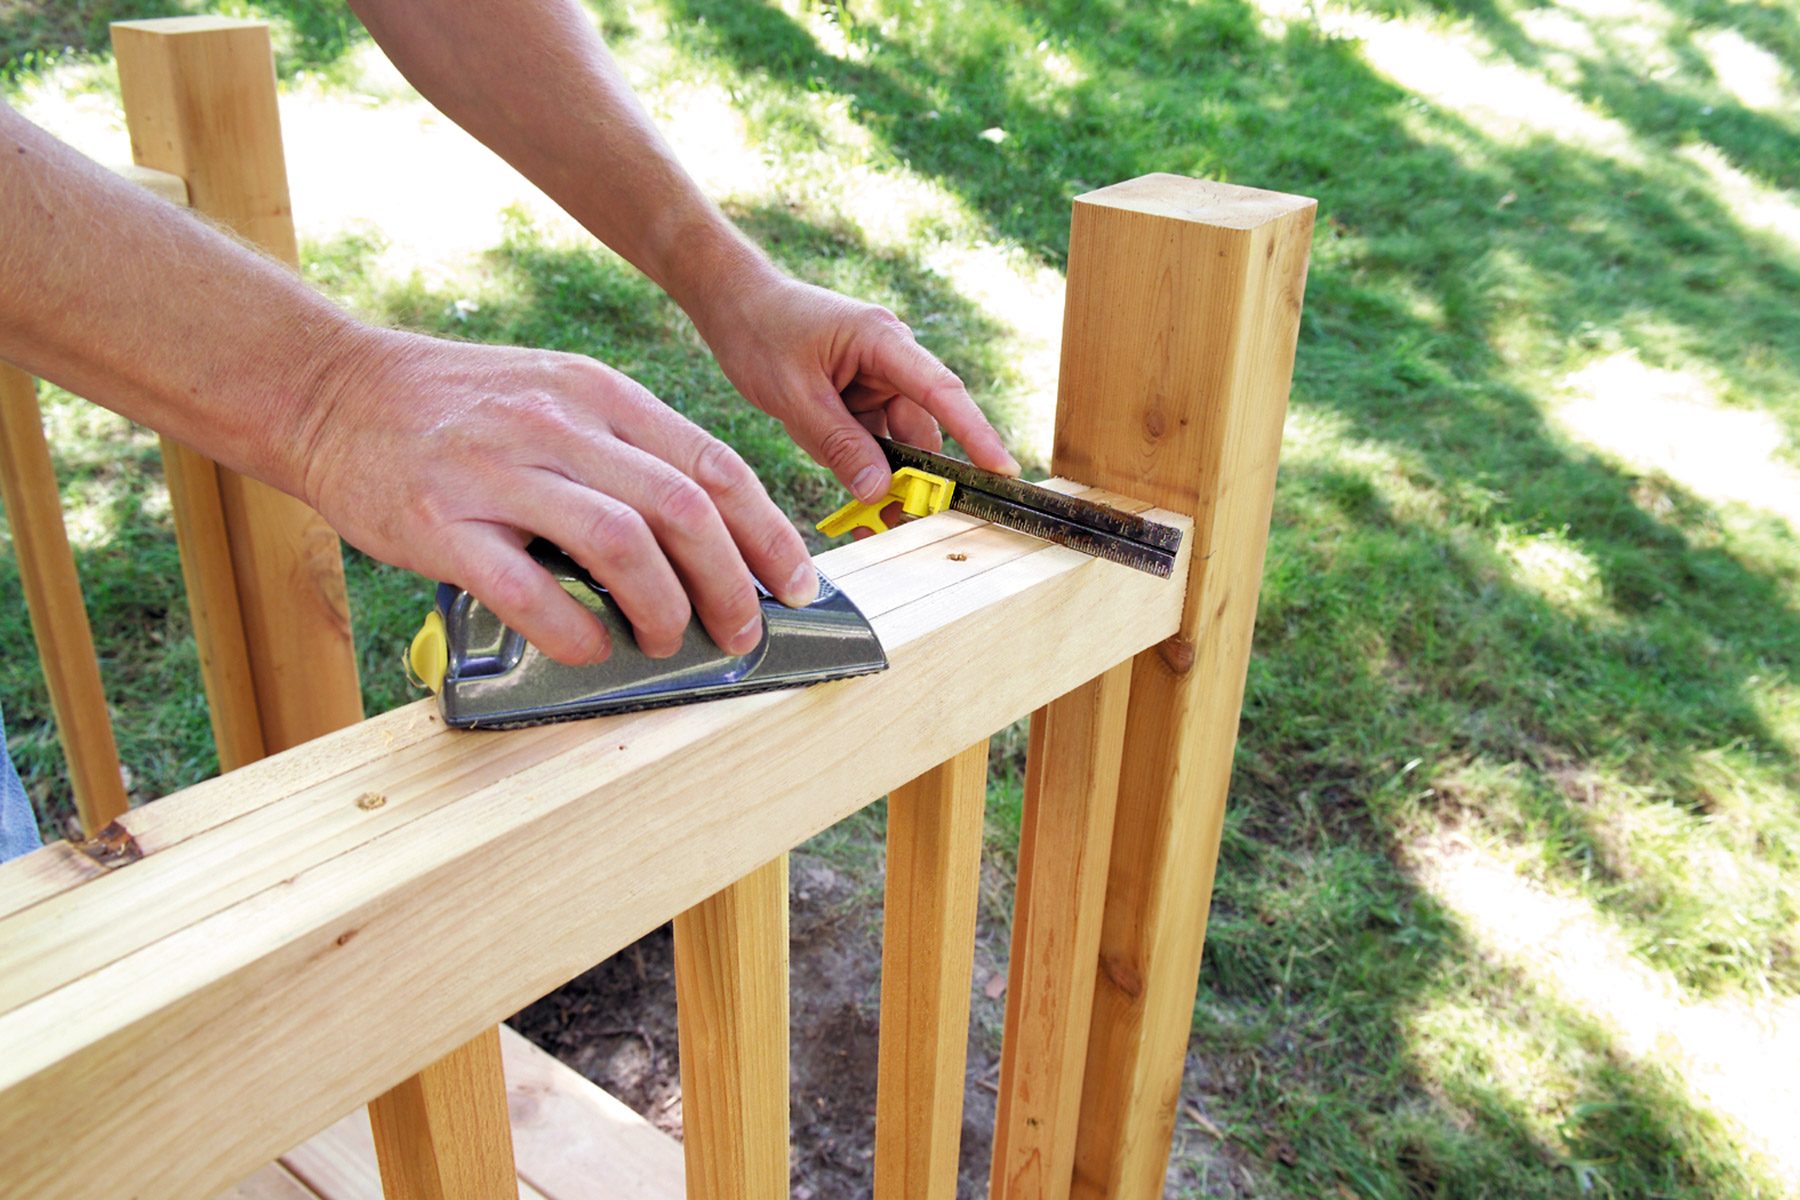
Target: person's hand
[[444, 457], [834, 370]]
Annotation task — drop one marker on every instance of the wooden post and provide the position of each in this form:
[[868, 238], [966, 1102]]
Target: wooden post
[[59, 620], [1178, 349], [1071, 785], [265, 573], [927, 956], [199, 97], [731, 1010]]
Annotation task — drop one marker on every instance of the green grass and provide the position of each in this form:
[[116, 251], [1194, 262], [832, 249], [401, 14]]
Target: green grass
[[1472, 626], [309, 35]]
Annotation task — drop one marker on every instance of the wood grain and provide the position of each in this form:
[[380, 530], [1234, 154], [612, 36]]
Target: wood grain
[[574, 1141], [1178, 348], [927, 956], [226, 675], [59, 620], [273, 1182], [497, 867], [199, 98], [1065, 843], [731, 1007], [444, 1134], [280, 667]]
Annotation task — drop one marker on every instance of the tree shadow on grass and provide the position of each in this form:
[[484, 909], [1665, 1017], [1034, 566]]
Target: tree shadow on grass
[[1404, 653], [1670, 109], [1198, 89]]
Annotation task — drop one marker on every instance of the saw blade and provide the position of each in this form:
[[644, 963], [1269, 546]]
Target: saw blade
[[1082, 525]]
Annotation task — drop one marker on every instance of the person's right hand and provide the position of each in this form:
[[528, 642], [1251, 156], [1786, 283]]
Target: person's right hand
[[445, 457]]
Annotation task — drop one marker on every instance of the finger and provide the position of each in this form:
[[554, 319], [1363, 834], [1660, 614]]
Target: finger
[[864, 397], [913, 425], [493, 566], [611, 540], [836, 440], [690, 531], [765, 538], [874, 420], [917, 375]]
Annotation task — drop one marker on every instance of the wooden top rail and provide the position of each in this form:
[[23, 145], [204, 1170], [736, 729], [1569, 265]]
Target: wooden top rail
[[246, 960]]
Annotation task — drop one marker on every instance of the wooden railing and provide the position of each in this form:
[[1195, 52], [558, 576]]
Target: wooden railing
[[214, 977]]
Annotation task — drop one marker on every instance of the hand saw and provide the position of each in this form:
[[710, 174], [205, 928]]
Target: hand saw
[[925, 483]]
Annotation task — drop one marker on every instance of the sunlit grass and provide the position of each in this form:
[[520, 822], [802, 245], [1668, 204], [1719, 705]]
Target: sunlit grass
[[1492, 618]]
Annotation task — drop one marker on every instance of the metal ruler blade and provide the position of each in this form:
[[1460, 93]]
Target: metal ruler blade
[[1082, 525]]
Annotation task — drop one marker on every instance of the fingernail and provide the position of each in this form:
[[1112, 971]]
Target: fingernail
[[867, 485], [803, 588], [1012, 466], [746, 639]]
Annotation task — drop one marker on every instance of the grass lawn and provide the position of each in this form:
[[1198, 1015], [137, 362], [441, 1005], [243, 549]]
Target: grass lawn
[[1514, 844]]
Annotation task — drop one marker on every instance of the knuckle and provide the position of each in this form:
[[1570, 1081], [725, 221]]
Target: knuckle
[[617, 533], [623, 391], [431, 504], [741, 605], [508, 585], [841, 446], [717, 467], [943, 393], [543, 413], [577, 370], [666, 616], [682, 503], [586, 640], [781, 543]]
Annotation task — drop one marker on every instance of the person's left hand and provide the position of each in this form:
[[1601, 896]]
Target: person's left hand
[[834, 370]]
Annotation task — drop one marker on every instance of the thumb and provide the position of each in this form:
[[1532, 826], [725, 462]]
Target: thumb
[[825, 429]]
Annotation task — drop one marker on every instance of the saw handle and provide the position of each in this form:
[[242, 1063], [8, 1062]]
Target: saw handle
[[918, 493]]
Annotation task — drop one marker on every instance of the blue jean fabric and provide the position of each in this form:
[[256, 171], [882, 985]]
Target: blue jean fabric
[[18, 824]]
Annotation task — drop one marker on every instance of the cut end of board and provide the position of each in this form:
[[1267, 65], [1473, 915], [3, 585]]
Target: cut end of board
[[1204, 200]]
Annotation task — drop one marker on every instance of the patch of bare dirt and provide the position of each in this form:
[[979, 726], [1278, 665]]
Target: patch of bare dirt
[[616, 1025]]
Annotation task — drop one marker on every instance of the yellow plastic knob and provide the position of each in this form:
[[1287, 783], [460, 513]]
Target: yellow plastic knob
[[429, 655], [918, 493]]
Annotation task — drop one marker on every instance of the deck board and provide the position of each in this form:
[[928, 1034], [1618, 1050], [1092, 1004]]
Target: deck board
[[273, 1182], [572, 1141]]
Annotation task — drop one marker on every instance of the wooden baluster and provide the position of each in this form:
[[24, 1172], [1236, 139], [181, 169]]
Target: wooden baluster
[[59, 620], [199, 95], [1071, 785], [412, 1122], [198, 508], [1178, 348], [927, 955], [731, 1004]]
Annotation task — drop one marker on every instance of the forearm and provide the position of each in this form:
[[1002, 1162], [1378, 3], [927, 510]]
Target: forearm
[[145, 309], [532, 80]]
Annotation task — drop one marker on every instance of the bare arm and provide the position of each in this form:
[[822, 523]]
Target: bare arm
[[111, 293], [532, 79], [438, 456]]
